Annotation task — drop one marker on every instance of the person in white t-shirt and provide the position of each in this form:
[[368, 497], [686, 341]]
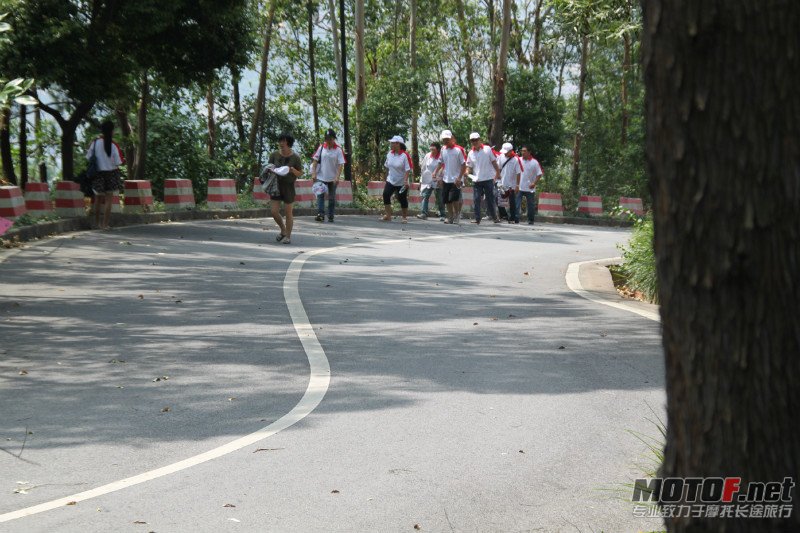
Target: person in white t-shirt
[[399, 166], [453, 164], [510, 170], [108, 179], [430, 180], [531, 174], [328, 162], [483, 163]]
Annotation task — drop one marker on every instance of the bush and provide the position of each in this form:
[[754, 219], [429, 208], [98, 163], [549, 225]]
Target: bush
[[639, 264]]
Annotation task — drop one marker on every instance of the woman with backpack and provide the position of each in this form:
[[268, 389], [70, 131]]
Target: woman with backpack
[[105, 158]]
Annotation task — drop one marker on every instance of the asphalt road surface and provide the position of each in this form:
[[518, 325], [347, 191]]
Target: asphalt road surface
[[468, 389]]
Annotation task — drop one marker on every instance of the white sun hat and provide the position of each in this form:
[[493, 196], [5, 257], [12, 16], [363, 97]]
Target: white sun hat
[[507, 147], [397, 139]]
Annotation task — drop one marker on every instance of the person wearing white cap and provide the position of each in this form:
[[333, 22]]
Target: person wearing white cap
[[328, 162], [398, 165], [531, 174], [510, 170], [430, 180], [454, 160], [483, 163]]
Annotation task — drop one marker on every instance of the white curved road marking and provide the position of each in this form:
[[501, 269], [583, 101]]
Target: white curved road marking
[[317, 388], [574, 283]]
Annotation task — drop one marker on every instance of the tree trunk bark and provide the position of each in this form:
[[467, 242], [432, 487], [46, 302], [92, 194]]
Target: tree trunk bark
[[127, 142], [337, 57], [5, 146], [723, 160], [537, 35], [576, 150], [211, 122], [626, 67], [23, 146], [361, 80], [412, 45], [68, 127], [312, 9], [237, 106], [472, 95], [443, 93], [499, 100], [141, 130], [255, 125], [37, 127]]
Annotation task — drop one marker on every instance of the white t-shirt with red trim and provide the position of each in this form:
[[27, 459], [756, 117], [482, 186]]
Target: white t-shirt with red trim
[[398, 164], [429, 165], [328, 160], [480, 161], [509, 171], [452, 158], [531, 169]]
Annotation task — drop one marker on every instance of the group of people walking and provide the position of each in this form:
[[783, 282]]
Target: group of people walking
[[498, 177]]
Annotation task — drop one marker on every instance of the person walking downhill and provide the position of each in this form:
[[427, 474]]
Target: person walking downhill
[[398, 163], [284, 156], [510, 170], [482, 161], [108, 157], [430, 180], [328, 162], [453, 163], [531, 174]]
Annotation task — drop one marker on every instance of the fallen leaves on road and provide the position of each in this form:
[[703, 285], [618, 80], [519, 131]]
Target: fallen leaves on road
[[162, 378], [114, 361], [267, 449], [141, 296], [232, 399], [165, 410], [561, 347], [474, 323], [417, 527], [23, 372], [140, 522], [72, 503], [334, 491], [512, 316], [525, 274], [229, 505]]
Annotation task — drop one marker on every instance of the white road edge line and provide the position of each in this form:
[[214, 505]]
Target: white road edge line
[[574, 283], [318, 383]]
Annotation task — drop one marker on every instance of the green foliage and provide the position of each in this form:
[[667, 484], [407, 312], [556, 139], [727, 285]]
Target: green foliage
[[28, 220], [533, 114], [639, 264]]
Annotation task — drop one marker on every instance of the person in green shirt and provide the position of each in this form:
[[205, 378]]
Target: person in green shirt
[[284, 156]]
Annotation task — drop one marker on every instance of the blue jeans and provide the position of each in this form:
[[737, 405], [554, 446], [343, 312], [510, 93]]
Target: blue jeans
[[481, 188], [331, 199], [426, 196], [531, 200]]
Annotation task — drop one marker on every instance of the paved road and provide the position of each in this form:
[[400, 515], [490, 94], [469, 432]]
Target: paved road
[[470, 390]]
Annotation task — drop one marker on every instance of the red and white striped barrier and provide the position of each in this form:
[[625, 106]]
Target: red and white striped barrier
[[344, 193], [12, 203], [69, 200], [222, 194], [138, 196], [632, 204], [550, 204], [303, 196], [592, 205], [37, 199], [178, 195], [375, 188]]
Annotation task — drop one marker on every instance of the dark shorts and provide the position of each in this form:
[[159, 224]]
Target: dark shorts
[[286, 191], [389, 190], [107, 181], [451, 193]]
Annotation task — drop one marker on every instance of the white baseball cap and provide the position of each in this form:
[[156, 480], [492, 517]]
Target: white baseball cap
[[507, 147], [446, 134], [397, 139], [474, 135]]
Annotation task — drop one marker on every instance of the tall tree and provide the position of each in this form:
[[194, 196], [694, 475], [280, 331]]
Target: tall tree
[[412, 45], [211, 122], [337, 58], [471, 92], [262, 80], [312, 12], [723, 161], [37, 128], [141, 128], [499, 85], [5, 146], [236, 76], [23, 145]]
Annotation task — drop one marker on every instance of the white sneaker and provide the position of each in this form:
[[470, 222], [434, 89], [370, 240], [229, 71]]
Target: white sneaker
[[286, 240]]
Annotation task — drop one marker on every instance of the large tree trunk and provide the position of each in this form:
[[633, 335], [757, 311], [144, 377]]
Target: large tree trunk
[[68, 127], [537, 35], [576, 150], [442, 84], [23, 146], [255, 125], [9, 173], [337, 57], [361, 80], [312, 10], [127, 141], [499, 99], [237, 106], [348, 147], [472, 94], [211, 122], [141, 130], [626, 67], [723, 160], [37, 127], [412, 45]]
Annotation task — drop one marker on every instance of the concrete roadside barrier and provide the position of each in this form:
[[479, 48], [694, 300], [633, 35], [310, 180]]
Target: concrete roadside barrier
[[632, 204], [37, 199], [550, 204], [138, 196], [178, 195], [69, 200], [591, 205], [344, 193], [222, 194], [12, 203]]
